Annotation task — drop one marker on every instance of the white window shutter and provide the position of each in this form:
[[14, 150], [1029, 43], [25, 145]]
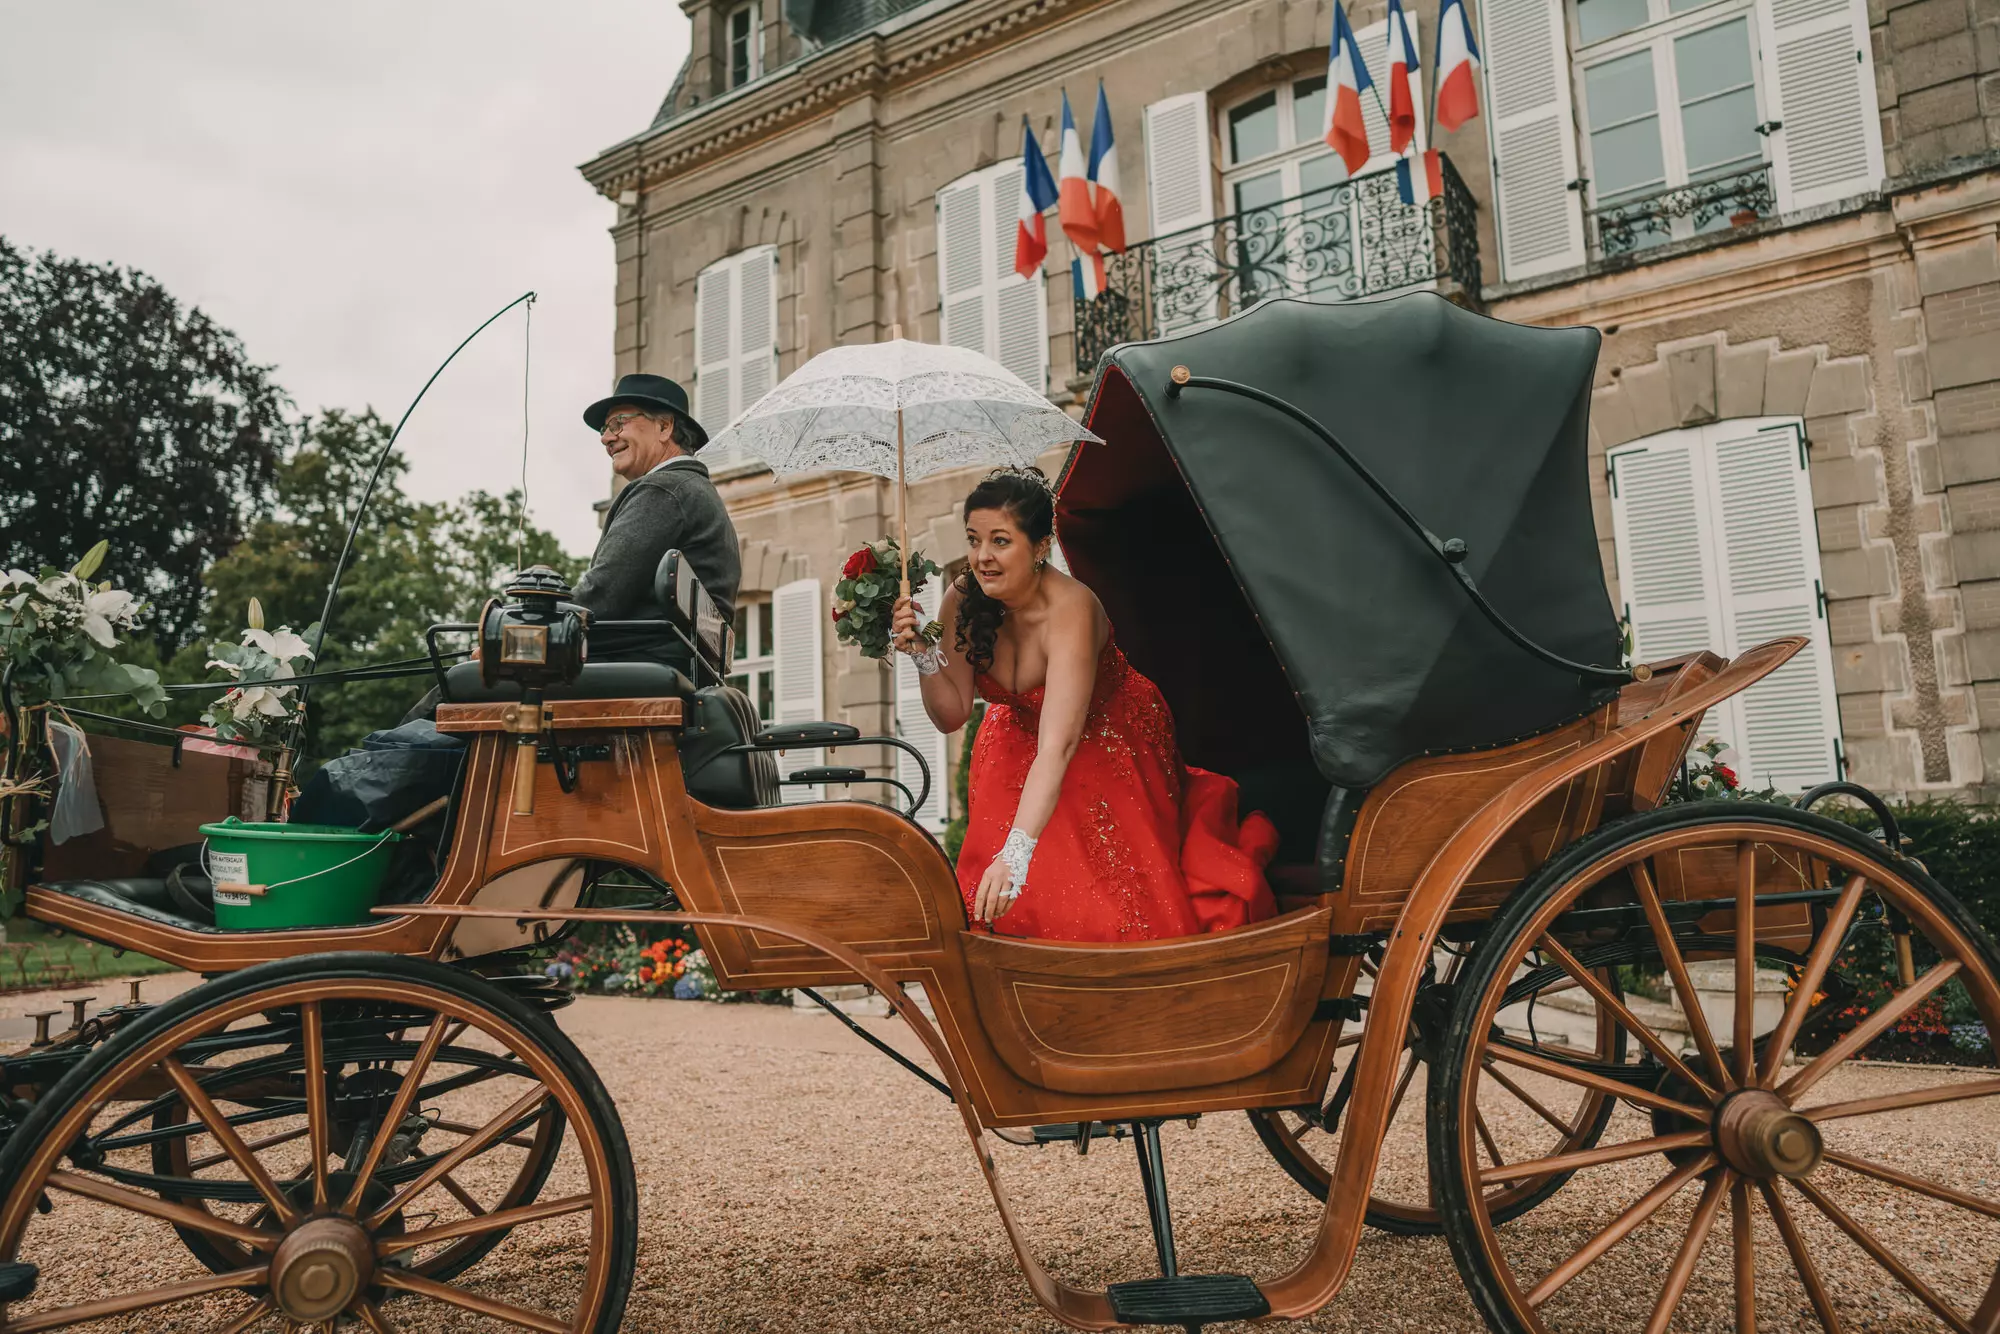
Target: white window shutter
[[962, 265], [1769, 549], [1819, 85], [757, 326], [1180, 192], [714, 319], [798, 674], [1020, 334], [1659, 525], [914, 726], [1533, 131]]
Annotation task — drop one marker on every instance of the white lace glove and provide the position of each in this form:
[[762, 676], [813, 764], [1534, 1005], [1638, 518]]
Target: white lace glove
[[1016, 853], [929, 659]]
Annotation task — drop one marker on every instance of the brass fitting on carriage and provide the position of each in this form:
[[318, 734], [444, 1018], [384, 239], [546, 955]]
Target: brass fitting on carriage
[[527, 720]]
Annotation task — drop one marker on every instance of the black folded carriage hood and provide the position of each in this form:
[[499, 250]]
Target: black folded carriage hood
[[1477, 426]]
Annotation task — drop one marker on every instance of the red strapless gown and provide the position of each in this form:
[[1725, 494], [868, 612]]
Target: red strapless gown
[[1141, 846]]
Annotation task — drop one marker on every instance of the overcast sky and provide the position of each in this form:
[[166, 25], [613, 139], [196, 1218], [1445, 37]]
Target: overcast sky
[[352, 187]]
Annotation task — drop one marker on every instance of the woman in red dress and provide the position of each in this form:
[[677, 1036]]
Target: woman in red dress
[[1085, 824]]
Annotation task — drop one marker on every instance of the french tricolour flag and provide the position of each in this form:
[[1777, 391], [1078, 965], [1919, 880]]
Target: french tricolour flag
[[1402, 64], [1346, 79], [1457, 66], [1419, 177], [1104, 175], [1078, 210], [1038, 192]]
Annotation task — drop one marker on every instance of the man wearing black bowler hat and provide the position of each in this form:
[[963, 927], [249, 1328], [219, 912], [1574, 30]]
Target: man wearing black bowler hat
[[667, 503]]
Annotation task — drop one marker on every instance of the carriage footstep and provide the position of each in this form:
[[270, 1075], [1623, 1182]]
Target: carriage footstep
[[1188, 1300]]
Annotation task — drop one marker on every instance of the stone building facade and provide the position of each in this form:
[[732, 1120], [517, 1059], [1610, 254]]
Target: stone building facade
[[1781, 214]]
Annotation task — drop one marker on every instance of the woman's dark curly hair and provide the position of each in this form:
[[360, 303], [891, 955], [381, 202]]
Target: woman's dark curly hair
[[1024, 493]]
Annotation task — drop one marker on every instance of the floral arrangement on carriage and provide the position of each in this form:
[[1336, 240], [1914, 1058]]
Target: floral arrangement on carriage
[[864, 601], [257, 706]]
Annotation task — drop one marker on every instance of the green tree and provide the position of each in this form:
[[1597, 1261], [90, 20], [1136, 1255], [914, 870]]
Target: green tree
[[414, 564], [124, 415]]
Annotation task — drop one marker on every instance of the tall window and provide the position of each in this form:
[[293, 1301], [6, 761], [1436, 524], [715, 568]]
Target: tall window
[[746, 47], [987, 306], [735, 340], [1295, 233], [1670, 97], [1718, 549], [756, 655]]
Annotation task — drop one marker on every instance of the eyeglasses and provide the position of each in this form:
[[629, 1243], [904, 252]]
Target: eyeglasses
[[614, 424]]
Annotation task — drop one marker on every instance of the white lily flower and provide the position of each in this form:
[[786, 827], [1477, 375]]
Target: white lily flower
[[270, 703], [101, 610], [280, 644], [16, 579], [229, 667]]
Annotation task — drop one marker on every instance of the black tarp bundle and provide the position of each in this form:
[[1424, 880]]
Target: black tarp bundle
[[395, 774], [1476, 425]]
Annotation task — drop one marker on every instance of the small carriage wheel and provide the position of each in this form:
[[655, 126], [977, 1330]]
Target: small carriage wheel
[[1305, 1149], [327, 1238], [539, 1144], [1851, 1199]]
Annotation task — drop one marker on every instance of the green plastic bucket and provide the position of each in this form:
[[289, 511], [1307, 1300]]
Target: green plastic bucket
[[310, 874]]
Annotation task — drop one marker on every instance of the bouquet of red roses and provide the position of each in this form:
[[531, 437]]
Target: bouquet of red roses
[[865, 598]]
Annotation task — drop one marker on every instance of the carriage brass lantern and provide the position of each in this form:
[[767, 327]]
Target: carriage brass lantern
[[537, 640]]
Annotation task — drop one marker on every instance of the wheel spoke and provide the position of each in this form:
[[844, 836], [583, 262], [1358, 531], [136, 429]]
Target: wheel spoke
[[1743, 1248], [516, 1141], [228, 1140], [1882, 1172], [1787, 1032], [178, 1214], [465, 1149], [1816, 1292], [254, 1145], [371, 1316], [462, 1195], [1683, 1266], [1604, 996], [1402, 1087], [1892, 1102], [1591, 1079], [1619, 1228], [1868, 1030], [1872, 1244], [1746, 963], [399, 1107], [1500, 1077], [312, 1036], [1486, 1138], [492, 1222], [486, 1306], [263, 1307], [1670, 955], [1597, 1157], [64, 1317]]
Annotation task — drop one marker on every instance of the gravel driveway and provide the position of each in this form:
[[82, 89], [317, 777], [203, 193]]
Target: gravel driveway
[[793, 1179]]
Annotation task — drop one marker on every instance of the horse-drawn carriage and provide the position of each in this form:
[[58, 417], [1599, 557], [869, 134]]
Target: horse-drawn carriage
[[353, 1124]]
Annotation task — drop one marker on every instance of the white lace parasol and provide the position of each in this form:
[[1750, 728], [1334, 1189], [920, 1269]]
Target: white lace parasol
[[841, 411]]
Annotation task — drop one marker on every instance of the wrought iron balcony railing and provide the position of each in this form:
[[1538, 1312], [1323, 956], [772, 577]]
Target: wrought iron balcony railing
[[1354, 239], [1730, 200]]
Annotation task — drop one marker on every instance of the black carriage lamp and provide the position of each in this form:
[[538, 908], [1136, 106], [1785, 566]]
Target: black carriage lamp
[[1451, 550], [535, 637]]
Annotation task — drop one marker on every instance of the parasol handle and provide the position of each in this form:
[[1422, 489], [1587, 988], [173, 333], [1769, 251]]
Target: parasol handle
[[902, 487]]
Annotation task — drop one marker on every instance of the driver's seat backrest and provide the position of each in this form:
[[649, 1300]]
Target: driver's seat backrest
[[718, 718]]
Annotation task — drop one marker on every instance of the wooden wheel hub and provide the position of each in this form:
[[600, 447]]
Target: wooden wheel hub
[[1762, 1137], [320, 1267]]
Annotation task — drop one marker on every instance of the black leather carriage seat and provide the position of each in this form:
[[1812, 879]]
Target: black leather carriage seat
[[185, 904], [598, 680], [718, 719]]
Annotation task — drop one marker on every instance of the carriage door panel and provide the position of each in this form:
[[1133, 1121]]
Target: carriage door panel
[[1717, 549]]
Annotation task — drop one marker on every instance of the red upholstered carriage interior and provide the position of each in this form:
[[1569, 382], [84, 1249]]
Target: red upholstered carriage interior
[[1133, 532]]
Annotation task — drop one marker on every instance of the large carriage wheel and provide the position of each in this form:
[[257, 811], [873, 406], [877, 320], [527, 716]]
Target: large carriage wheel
[[1763, 1176], [345, 1197], [1400, 1201]]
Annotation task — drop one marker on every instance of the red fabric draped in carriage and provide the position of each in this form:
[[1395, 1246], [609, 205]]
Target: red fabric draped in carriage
[[1141, 846]]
